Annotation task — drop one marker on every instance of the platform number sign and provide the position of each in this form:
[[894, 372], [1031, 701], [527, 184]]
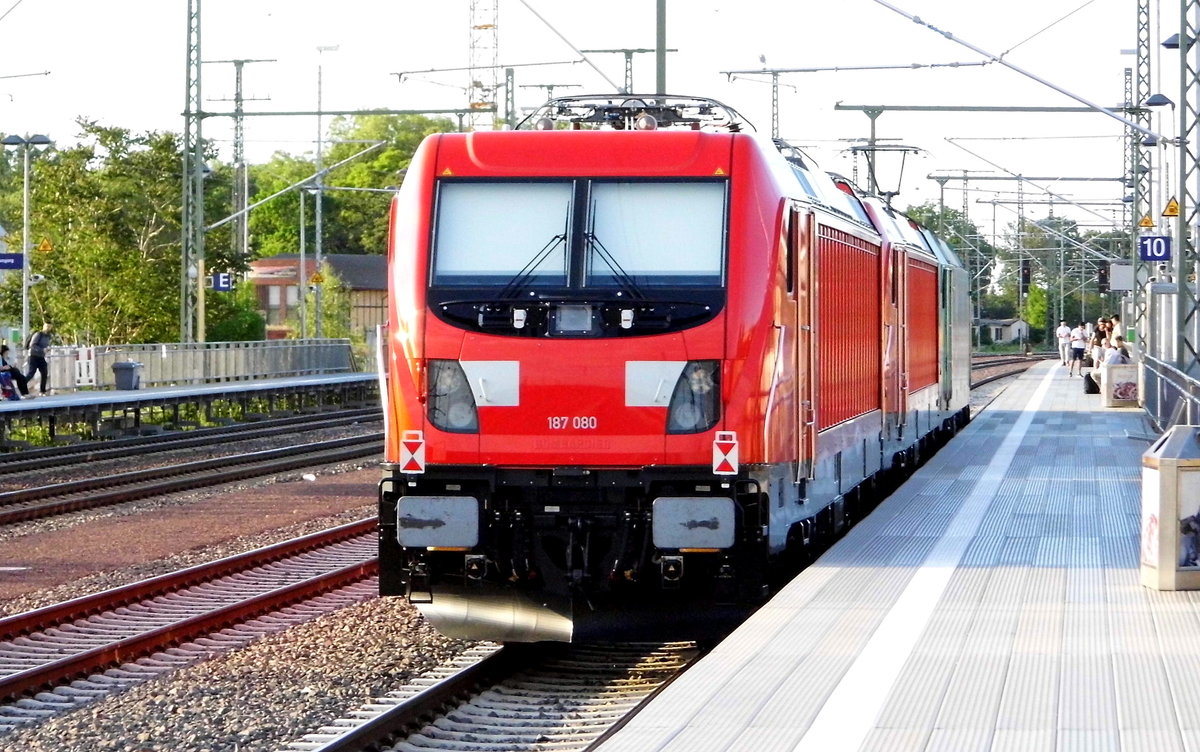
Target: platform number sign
[[1154, 248]]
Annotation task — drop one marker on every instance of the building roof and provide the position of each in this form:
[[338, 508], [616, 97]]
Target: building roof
[[998, 322], [357, 271]]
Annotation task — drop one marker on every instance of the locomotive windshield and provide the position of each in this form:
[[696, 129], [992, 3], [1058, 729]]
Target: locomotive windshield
[[538, 252], [655, 233], [487, 232]]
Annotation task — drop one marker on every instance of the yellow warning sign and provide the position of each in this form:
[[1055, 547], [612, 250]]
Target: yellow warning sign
[[719, 171], [316, 278], [1172, 209], [447, 171], [1146, 222], [45, 245]]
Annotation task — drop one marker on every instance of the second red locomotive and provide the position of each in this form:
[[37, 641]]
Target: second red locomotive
[[638, 362]]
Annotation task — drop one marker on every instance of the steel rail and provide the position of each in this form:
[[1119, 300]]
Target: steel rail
[[90, 660], [43, 501], [37, 459]]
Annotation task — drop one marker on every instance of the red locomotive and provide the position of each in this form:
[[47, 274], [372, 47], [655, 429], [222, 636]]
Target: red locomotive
[[638, 362]]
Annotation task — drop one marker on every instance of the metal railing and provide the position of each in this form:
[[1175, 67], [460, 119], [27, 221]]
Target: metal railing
[[173, 364], [1171, 397]]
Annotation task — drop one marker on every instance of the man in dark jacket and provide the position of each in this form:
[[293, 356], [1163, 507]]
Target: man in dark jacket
[[38, 343]]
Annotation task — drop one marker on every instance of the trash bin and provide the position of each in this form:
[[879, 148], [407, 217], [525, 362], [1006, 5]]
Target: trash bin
[[1119, 385], [127, 375], [1170, 558]]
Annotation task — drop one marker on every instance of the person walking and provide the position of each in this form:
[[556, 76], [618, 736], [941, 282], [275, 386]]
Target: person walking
[[37, 345], [1079, 343], [1064, 341]]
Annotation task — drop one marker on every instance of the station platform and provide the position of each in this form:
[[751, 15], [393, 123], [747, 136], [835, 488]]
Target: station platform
[[992, 604], [71, 415]]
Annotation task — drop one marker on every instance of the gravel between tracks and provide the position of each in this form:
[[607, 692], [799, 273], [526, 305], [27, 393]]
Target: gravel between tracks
[[257, 698]]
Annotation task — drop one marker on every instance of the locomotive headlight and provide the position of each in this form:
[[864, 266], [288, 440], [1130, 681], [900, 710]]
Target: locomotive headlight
[[451, 403], [695, 403]]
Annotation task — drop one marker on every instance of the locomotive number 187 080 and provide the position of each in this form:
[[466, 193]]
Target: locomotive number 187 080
[[581, 422]]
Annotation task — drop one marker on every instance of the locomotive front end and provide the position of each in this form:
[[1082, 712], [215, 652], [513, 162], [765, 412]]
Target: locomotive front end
[[561, 462]]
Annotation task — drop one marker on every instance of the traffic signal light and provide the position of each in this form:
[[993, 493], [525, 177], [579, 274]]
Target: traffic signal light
[[1025, 272], [1102, 277]]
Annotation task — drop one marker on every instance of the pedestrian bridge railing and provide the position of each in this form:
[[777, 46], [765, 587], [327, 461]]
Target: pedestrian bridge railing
[[1170, 396], [176, 364]]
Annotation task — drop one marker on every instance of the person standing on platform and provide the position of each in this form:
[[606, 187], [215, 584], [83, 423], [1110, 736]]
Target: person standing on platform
[[1079, 343], [1064, 341], [38, 344]]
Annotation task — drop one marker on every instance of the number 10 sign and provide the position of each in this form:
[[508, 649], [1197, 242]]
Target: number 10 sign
[[1154, 248]]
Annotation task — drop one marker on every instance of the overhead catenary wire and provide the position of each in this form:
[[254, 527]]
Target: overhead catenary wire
[[1046, 28], [1042, 188], [999, 59]]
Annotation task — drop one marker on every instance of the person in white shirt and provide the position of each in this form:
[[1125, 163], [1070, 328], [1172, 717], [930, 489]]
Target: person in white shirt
[[1064, 341], [1079, 343]]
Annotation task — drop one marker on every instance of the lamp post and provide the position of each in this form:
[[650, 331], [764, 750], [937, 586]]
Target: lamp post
[[319, 209], [25, 144]]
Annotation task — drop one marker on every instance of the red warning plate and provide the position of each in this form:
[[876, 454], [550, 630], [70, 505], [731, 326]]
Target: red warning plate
[[412, 452], [725, 453]]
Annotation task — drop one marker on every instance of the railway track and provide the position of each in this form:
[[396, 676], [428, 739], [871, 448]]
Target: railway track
[[50, 658], [49, 457], [519, 697], [89, 493], [1002, 366]]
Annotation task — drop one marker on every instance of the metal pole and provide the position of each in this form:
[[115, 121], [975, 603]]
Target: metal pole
[[319, 213], [660, 54], [303, 274], [25, 249], [1185, 211]]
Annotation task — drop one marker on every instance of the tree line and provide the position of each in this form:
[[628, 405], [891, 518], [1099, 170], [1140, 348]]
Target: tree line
[[1062, 260], [110, 209]]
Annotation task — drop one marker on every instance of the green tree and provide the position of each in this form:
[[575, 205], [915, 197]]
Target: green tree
[[335, 308], [110, 208], [355, 204], [1037, 313], [233, 316]]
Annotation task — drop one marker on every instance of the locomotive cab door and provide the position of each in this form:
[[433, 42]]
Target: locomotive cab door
[[895, 358], [801, 241]]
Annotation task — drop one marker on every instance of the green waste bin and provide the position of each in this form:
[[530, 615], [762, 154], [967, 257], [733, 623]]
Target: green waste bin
[[127, 375]]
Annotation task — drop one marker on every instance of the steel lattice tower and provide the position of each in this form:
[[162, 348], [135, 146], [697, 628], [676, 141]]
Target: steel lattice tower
[[481, 91], [1185, 265], [1137, 91], [191, 271]]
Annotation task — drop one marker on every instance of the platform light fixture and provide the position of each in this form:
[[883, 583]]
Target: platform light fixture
[[26, 143]]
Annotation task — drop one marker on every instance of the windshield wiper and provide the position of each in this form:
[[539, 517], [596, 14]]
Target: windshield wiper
[[518, 282], [593, 244]]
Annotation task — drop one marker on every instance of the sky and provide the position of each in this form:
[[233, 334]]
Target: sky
[[122, 63]]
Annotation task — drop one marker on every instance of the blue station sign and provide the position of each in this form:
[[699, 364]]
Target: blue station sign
[[1154, 247], [222, 282], [12, 260]]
